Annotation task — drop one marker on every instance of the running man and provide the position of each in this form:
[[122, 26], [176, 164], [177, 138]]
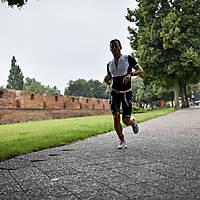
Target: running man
[[119, 70]]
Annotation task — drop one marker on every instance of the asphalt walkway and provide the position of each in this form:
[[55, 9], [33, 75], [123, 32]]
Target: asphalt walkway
[[161, 162]]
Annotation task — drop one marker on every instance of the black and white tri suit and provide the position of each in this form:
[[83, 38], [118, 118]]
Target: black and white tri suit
[[121, 92]]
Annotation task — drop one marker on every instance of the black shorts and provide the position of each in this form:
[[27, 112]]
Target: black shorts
[[125, 98]]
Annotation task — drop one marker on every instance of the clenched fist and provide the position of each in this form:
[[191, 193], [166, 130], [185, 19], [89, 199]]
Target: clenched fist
[[126, 78], [107, 79]]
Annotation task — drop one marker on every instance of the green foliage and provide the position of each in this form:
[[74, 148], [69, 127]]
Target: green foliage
[[18, 3], [150, 94], [147, 95], [164, 93], [97, 89], [15, 78], [166, 41], [91, 88], [53, 90], [1, 86], [77, 88], [136, 85], [192, 59], [137, 109], [170, 31], [34, 86]]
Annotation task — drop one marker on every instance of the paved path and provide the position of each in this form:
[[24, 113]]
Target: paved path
[[161, 162]]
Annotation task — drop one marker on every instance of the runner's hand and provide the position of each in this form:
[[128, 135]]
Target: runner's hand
[[107, 79], [126, 78]]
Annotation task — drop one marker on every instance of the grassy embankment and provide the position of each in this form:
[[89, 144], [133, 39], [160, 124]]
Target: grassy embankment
[[20, 138]]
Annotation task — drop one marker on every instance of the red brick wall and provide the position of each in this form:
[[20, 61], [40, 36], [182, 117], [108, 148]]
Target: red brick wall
[[18, 106], [7, 98], [30, 100], [72, 102], [22, 115], [53, 101]]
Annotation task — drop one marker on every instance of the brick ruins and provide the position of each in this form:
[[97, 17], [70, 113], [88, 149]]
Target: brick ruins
[[20, 106]]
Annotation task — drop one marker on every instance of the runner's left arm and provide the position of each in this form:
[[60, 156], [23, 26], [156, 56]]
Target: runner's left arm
[[133, 64]]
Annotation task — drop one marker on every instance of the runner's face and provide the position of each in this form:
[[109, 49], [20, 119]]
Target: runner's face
[[115, 48]]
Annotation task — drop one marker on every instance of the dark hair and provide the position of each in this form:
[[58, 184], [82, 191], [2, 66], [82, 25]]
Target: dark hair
[[115, 40]]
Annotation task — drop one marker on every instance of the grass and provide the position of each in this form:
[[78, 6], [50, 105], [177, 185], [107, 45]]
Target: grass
[[20, 138]]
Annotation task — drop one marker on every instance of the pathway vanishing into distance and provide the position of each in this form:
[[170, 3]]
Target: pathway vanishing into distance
[[161, 162]]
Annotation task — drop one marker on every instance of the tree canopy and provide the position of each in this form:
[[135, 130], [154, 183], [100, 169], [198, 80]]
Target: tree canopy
[[150, 94], [32, 85], [91, 88], [35, 86], [136, 84], [166, 41], [18, 3]]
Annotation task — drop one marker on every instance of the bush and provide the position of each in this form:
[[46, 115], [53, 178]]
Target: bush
[[136, 109]]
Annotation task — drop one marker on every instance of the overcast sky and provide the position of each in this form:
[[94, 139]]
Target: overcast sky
[[57, 41]]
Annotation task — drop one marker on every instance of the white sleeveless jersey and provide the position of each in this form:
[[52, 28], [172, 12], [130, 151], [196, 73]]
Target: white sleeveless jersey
[[125, 65]]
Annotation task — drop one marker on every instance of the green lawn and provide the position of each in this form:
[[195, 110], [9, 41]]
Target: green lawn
[[20, 138]]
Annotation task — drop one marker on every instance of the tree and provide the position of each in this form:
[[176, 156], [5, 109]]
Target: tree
[[151, 94], [166, 41], [136, 85], [34, 86], [91, 88], [1, 87], [53, 90], [146, 95], [164, 93], [18, 3], [77, 88], [97, 89], [15, 78]]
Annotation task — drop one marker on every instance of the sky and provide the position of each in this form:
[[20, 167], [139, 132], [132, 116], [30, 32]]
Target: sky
[[57, 42]]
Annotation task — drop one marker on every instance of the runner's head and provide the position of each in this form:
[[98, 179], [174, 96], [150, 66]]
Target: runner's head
[[115, 47]]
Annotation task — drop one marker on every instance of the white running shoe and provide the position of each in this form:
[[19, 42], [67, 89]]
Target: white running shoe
[[122, 144]]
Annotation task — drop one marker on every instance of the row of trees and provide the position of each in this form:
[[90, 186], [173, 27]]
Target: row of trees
[[149, 95], [16, 81], [80, 87], [31, 84], [166, 42], [143, 95], [91, 89]]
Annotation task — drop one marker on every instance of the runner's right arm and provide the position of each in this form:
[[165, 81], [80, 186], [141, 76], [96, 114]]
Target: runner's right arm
[[108, 77]]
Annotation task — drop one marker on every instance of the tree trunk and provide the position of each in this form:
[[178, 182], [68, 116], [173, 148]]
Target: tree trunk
[[181, 94], [183, 100], [185, 96], [176, 93], [172, 102]]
